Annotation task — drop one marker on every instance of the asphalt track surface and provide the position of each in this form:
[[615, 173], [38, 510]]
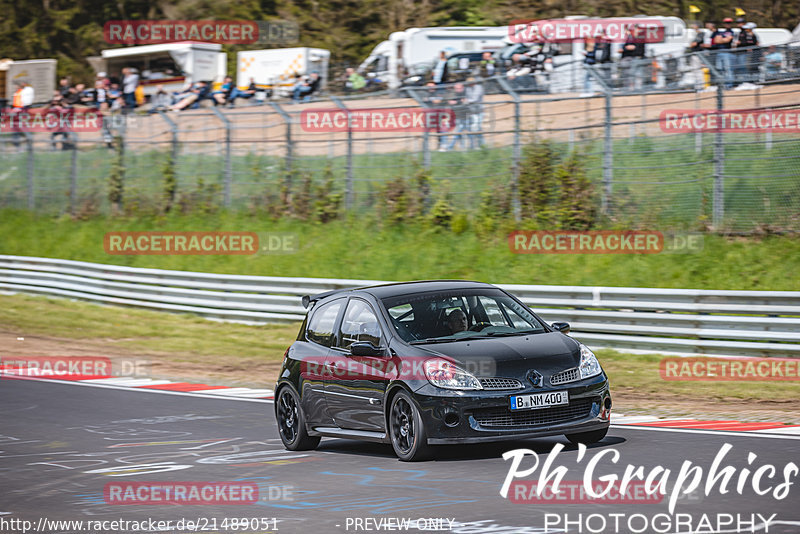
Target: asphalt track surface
[[60, 444]]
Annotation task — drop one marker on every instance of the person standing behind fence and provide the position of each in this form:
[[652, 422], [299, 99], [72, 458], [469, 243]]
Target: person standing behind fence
[[748, 59], [695, 63], [603, 55], [460, 109], [440, 69], [130, 81], [633, 57], [474, 99], [721, 43]]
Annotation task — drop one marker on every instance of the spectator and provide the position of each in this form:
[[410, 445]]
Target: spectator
[[353, 81], [100, 95], [305, 87], [130, 81], [695, 63], [488, 65], [433, 99], [64, 87], [773, 61], [458, 104], [23, 97], [721, 43], [747, 60], [198, 92], [160, 100], [57, 106], [440, 69], [248, 93], [474, 99], [222, 96], [633, 57], [589, 59], [709, 31]]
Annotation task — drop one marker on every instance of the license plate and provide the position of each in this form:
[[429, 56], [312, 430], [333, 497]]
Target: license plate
[[539, 400]]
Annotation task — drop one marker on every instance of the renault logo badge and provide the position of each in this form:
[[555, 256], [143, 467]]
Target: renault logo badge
[[535, 378]]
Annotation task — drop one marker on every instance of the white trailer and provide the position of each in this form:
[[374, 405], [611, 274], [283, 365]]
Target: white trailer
[[391, 60], [39, 73], [276, 68], [172, 65]]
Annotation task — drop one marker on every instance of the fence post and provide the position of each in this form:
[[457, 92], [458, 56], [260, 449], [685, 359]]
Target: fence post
[[73, 174], [426, 135], [289, 144], [31, 191], [348, 184], [608, 142], [719, 166], [228, 167], [517, 154]]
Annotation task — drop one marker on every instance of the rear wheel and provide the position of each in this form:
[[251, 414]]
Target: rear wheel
[[409, 438], [292, 422], [588, 438]]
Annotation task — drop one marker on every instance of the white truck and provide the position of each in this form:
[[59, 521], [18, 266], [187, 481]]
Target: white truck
[[392, 60], [275, 69], [39, 73], [172, 65]]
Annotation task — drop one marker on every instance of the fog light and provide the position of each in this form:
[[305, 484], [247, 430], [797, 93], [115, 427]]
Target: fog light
[[451, 419]]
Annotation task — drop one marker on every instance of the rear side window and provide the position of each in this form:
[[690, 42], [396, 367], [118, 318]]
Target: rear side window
[[320, 327]]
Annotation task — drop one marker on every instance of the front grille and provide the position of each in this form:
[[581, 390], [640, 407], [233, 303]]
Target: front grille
[[570, 375], [500, 383], [495, 418]]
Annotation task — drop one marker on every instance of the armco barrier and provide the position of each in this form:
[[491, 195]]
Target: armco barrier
[[753, 323]]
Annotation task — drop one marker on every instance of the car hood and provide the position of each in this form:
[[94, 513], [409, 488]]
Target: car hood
[[513, 356]]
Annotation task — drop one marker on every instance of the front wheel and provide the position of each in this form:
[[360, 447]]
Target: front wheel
[[292, 422], [587, 438], [409, 439]]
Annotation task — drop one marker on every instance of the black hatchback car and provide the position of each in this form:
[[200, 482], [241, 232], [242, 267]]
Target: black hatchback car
[[440, 362]]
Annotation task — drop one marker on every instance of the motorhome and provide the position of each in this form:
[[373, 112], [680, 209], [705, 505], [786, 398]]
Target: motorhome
[[172, 65], [405, 51]]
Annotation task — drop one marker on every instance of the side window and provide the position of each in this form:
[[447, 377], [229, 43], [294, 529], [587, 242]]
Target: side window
[[359, 324], [320, 327]]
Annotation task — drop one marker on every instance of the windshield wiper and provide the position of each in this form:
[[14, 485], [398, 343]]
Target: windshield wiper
[[517, 333], [432, 340]]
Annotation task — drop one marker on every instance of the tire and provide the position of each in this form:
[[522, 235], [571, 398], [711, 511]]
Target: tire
[[588, 438], [406, 430], [292, 422]]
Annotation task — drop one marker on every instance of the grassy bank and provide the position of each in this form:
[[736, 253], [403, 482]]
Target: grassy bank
[[365, 249], [190, 346]]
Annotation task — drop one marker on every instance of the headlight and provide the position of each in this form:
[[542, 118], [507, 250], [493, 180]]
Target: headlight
[[447, 375], [589, 365]]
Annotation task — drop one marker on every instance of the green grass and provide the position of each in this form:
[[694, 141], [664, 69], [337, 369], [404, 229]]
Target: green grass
[[199, 343], [365, 249]]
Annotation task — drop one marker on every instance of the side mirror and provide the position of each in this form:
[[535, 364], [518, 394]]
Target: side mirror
[[561, 327], [365, 348]]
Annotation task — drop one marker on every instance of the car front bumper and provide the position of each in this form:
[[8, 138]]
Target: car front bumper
[[452, 417]]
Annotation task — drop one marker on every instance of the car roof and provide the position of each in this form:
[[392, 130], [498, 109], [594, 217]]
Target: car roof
[[401, 288]]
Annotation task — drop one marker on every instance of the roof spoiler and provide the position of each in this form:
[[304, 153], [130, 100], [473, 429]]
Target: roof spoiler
[[307, 300]]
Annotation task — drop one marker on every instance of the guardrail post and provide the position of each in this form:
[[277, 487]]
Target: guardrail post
[[517, 154], [228, 168], [289, 143], [348, 185], [31, 191]]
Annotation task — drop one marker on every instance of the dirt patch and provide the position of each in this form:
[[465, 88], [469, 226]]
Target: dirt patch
[[222, 370]]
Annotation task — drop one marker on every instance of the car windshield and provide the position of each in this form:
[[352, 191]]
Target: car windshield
[[446, 316]]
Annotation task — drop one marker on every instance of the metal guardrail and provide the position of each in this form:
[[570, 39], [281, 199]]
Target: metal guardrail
[[752, 323]]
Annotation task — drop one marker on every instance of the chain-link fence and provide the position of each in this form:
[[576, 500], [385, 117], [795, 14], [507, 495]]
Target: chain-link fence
[[644, 173]]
